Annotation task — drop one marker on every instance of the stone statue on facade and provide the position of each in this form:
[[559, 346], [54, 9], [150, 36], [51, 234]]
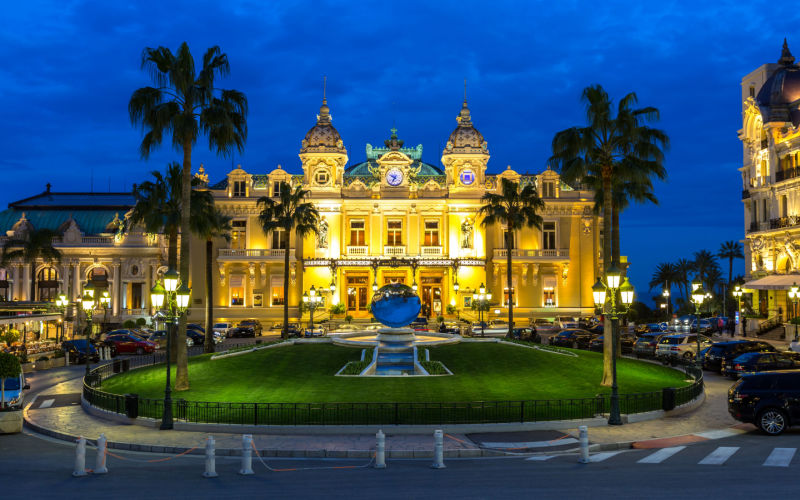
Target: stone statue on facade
[[466, 233], [322, 235]]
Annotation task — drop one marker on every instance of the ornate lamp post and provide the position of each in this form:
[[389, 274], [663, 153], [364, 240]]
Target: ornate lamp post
[[62, 303], [482, 299], [312, 301], [88, 304], [668, 303], [698, 296], [599, 292], [737, 292], [794, 294], [175, 300]]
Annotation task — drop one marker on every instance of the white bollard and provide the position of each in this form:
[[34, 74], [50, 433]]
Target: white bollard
[[438, 450], [100, 465], [584, 442], [247, 455], [211, 460], [80, 458], [380, 452]]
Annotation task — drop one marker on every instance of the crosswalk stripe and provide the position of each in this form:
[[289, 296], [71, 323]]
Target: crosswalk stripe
[[599, 457], [540, 458], [47, 403], [660, 455], [780, 457], [719, 456], [531, 444]]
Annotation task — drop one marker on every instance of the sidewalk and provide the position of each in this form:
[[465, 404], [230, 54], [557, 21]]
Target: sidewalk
[[56, 412]]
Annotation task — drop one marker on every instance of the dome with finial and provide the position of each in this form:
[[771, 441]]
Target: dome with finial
[[323, 137], [465, 138], [779, 97]]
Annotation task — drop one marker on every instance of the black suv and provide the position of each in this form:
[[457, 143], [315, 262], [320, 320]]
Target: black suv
[[723, 351], [252, 323], [770, 400], [577, 339]]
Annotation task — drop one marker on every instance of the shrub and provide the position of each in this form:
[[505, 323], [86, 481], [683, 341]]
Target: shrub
[[440, 319], [337, 309], [9, 336], [434, 367], [355, 367], [129, 323], [141, 322], [348, 318]]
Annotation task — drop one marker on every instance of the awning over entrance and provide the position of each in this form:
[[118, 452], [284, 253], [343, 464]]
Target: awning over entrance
[[774, 282]]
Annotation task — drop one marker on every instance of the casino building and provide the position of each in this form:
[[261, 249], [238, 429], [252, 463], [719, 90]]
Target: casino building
[[393, 217]]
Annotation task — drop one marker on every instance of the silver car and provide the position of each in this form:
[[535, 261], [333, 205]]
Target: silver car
[[681, 346]]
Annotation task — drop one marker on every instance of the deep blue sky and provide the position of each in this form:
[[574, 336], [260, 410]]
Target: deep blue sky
[[69, 69]]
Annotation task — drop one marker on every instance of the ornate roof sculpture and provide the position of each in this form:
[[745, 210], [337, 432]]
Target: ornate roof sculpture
[[779, 97], [367, 169], [465, 138], [323, 137]]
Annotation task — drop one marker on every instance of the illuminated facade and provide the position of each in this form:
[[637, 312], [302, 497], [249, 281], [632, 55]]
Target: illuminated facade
[[395, 218], [770, 171]]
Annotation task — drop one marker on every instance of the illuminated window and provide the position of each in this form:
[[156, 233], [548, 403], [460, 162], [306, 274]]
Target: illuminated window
[[276, 189], [47, 284], [236, 289], [431, 233], [357, 233], [239, 188], [549, 292], [280, 239], [239, 234], [394, 232], [549, 235], [276, 295]]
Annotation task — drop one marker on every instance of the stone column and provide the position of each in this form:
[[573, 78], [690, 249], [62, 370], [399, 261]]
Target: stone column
[[15, 283], [76, 279], [25, 289], [115, 287]]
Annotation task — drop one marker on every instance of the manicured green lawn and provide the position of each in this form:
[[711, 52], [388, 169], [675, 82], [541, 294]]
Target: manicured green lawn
[[483, 372]]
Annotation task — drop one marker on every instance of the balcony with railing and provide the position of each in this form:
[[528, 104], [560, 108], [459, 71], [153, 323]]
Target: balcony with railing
[[760, 226], [546, 254], [394, 250], [357, 250], [253, 253], [431, 251], [782, 222], [786, 174]]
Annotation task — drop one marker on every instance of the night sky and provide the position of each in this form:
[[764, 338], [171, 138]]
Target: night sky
[[69, 69]]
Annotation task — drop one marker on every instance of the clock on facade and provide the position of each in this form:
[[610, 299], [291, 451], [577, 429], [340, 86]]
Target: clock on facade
[[394, 176], [467, 176]]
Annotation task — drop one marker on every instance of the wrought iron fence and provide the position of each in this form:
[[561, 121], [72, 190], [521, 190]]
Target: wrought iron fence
[[400, 413]]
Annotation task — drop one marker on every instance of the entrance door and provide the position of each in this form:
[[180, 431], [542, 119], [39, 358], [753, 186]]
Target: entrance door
[[136, 295], [431, 295], [357, 292]]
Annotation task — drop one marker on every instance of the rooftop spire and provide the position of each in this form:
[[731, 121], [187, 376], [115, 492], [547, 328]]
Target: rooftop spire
[[324, 115], [463, 117], [465, 92], [787, 59]]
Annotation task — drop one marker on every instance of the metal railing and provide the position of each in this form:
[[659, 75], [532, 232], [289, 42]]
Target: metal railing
[[254, 252], [786, 174], [539, 252], [400, 413]]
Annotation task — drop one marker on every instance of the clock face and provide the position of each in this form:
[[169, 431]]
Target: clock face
[[394, 176], [467, 176]]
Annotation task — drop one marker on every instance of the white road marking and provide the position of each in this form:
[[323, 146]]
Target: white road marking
[[660, 455], [719, 456], [780, 457], [540, 458], [719, 434], [599, 457], [47, 403], [531, 444]]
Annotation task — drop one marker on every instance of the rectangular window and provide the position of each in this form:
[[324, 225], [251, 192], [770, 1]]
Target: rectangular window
[[239, 234], [236, 288], [276, 189], [548, 190], [394, 232], [784, 206], [752, 91], [280, 239], [357, 233], [431, 233], [764, 214], [549, 235], [276, 291], [239, 188], [549, 292]]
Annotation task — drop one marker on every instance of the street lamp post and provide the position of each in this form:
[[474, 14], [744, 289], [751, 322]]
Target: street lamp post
[[599, 292], [62, 303], [88, 305], [737, 292], [175, 300], [665, 294], [698, 296], [312, 301], [794, 294], [482, 299]]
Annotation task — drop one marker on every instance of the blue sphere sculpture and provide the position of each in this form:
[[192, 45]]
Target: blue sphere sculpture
[[395, 305]]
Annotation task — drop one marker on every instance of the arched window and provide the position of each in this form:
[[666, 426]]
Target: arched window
[[4, 287], [47, 284], [98, 277]]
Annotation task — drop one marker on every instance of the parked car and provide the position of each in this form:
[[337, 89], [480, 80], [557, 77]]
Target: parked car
[[683, 346], [528, 334], [706, 326], [684, 323], [317, 331], [12, 395], [645, 346], [159, 337], [565, 322], [627, 341], [577, 339], [770, 400], [76, 351], [543, 325], [240, 331], [752, 362], [222, 328], [127, 343], [195, 326], [197, 337], [720, 352], [254, 324]]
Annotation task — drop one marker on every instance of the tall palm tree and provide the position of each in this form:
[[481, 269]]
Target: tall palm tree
[[36, 244], [210, 226], [515, 208], [729, 250], [705, 263], [684, 268], [288, 213], [606, 145], [184, 103], [159, 209]]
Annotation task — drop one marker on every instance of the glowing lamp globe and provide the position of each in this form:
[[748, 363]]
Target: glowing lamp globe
[[396, 305]]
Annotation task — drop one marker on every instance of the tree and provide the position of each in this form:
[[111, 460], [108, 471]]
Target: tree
[[34, 245], [665, 275], [684, 268], [9, 336], [158, 209], [210, 226], [606, 146], [704, 264], [288, 213], [184, 103], [729, 250], [514, 208], [9, 367]]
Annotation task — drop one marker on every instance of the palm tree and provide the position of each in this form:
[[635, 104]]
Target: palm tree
[[159, 209], [212, 225], [607, 145], [36, 244], [289, 213], [683, 268], [515, 208], [729, 250], [704, 264], [185, 103]]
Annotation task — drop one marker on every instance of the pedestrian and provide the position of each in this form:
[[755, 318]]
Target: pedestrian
[[744, 326]]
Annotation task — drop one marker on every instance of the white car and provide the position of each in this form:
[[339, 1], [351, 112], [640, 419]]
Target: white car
[[545, 326], [567, 323], [222, 328], [680, 346]]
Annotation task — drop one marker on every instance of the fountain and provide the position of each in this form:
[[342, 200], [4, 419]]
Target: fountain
[[396, 306]]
